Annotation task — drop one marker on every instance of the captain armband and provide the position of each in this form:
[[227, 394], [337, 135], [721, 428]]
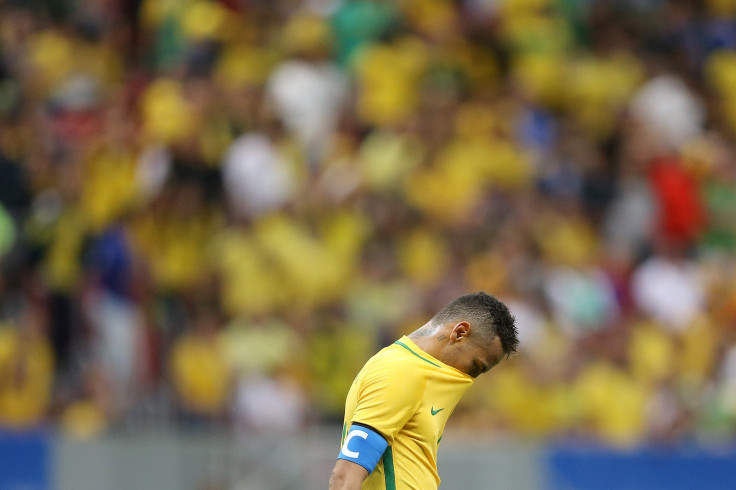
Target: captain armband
[[364, 446]]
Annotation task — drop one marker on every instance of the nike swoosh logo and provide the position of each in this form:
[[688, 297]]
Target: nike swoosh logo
[[435, 412]]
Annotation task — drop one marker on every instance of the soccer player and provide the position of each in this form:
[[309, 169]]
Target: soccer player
[[398, 405]]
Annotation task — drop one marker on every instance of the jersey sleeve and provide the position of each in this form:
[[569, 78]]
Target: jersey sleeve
[[390, 393]]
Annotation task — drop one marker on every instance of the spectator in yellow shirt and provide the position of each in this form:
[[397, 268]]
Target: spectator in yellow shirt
[[199, 371], [26, 374]]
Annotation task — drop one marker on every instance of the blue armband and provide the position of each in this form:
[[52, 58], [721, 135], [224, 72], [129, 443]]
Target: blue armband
[[363, 446]]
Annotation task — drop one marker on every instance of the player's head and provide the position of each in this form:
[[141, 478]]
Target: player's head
[[479, 331]]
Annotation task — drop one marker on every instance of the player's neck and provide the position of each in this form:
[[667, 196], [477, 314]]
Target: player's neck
[[427, 339]]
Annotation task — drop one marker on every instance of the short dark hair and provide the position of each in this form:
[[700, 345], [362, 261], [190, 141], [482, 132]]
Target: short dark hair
[[483, 312]]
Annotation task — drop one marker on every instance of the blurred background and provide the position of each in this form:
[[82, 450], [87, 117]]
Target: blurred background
[[212, 213]]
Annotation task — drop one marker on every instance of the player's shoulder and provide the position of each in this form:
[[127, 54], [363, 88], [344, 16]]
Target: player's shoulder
[[390, 355], [392, 375], [392, 361]]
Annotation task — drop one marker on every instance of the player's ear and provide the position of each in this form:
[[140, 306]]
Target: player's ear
[[460, 330]]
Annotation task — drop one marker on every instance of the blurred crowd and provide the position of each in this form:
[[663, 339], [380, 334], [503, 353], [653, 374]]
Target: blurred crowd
[[213, 212]]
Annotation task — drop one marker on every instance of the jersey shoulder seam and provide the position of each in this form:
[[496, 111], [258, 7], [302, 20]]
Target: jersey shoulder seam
[[423, 358]]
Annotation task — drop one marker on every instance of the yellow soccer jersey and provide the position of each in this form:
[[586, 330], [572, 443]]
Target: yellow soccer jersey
[[407, 396]]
